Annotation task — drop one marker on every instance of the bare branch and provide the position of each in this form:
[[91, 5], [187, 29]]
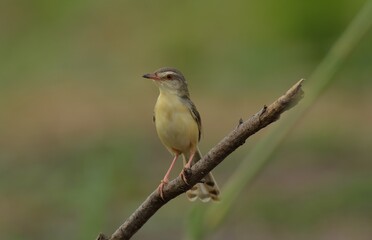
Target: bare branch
[[215, 156]]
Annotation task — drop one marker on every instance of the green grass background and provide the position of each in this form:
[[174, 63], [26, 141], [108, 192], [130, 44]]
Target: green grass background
[[78, 149]]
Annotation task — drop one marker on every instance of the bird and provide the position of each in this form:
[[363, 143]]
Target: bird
[[178, 125]]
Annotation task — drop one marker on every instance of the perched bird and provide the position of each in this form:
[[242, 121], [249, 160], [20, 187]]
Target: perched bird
[[178, 125]]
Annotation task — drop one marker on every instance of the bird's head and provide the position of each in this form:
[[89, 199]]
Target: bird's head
[[169, 80]]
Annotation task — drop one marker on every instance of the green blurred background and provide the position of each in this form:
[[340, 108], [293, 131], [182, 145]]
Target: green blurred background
[[79, 151]]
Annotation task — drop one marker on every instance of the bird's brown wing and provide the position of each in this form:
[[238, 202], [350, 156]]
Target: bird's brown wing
[[194, 113]]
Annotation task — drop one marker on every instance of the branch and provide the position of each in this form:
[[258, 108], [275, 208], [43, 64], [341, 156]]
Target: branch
[[215, 156]]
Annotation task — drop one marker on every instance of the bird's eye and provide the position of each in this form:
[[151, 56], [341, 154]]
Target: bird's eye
[[169, 76]]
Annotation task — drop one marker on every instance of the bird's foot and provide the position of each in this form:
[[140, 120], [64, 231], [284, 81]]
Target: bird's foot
[[161, 186], [185, 174]]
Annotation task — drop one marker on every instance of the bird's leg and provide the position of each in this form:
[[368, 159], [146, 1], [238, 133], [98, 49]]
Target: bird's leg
[[188, 164], [165, 179], [186, 169]]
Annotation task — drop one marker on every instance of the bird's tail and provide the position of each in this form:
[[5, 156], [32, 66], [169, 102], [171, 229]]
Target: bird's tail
[[207, 189]]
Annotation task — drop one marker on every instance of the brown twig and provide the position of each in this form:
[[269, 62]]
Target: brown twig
[[215, 156]]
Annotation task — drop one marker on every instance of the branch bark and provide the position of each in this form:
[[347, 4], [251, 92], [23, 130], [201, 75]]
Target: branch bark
[[215, 156]]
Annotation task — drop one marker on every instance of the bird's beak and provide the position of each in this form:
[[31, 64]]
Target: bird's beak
[[151, 76]]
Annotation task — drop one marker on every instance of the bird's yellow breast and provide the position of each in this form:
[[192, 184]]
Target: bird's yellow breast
[[176, 127]]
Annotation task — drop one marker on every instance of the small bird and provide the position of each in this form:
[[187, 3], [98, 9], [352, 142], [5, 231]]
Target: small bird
[[178, 125]]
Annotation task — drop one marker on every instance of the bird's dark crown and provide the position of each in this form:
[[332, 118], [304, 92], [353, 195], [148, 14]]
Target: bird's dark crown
[[169, 69]]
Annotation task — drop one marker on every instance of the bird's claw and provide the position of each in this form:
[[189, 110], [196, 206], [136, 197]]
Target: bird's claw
[[185, 174], [160, 188]]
